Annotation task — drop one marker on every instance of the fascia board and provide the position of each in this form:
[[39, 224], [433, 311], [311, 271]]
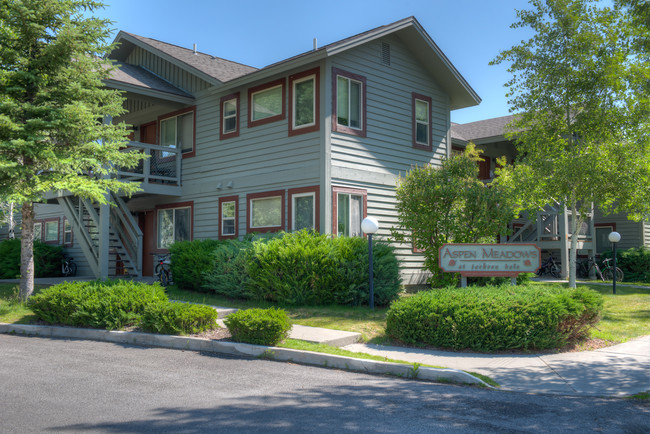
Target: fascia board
[[148, 92]]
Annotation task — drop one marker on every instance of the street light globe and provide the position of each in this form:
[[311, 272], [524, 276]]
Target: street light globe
[[369, 225], [614, 237]]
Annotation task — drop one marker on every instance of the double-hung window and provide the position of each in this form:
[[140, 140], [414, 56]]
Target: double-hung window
[[304, 208], [51, 231], [266, 211], [229, 116], [266, 103], [67, 233], [422, 122], [350, 206], [304, 102], [228, 212], [174, 225], [350, 103], [177, 131]]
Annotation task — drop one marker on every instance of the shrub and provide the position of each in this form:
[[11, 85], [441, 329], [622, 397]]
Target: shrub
[[190, 260], [47, 259], [634, 262], [259, 326], [307, 268], [110, 304], [495, 318], [178, 318], [228, 275]]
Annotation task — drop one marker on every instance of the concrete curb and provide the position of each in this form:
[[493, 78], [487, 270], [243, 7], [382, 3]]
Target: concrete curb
[[247, 350]]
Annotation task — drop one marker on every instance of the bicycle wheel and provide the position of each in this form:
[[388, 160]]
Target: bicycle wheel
[[608, 274], [72, 269], [164, 277], [65, 270], [556, 271], [157, 270]]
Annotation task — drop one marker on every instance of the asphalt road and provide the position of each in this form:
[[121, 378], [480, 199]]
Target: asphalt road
[[72, 385]]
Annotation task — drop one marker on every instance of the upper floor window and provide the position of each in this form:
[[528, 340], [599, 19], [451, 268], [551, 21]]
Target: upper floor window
[[174, 224], [177, 130], [229, 116], [266, 103], [304, 98], [422, 122], [350, 103]]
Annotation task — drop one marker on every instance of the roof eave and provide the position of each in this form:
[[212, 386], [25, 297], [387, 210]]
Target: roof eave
[[153, 93]]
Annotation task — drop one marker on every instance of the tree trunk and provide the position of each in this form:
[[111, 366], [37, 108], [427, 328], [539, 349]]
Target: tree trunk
[[573, 250], [27, 252], [12, 223]]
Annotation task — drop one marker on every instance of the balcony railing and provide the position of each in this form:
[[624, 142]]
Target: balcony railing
[[158, 171]]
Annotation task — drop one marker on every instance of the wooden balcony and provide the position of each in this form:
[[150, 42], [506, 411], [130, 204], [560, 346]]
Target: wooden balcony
[[158, 173]]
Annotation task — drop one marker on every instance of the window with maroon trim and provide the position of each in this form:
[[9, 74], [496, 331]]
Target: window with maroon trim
[[304, 208], [38, 231], [229, 116], [304, 102], [349, 208], [265, 211], [602, 236], [228, 217], [173, 224], [266, 103], [348, 103], [51, 231], [422, 122], [177, 130], [67, 233]]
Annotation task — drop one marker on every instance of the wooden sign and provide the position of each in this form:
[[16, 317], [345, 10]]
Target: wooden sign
[[500, 260]]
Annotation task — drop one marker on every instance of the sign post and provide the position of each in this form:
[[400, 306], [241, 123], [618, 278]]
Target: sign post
[[498, 260]]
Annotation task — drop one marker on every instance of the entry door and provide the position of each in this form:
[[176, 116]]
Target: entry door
[[146, 222], [148, 133]]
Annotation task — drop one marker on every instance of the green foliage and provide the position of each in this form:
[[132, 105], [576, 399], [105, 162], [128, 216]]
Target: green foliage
[[495, 318], [304, 268], [259, 326], [110, 304], [228, 276], [178, 318], [47, 259], [579, 87], [190, 260], [445, 204], [634, 262]]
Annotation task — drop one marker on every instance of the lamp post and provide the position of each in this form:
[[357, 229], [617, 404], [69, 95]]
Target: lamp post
[[369, 226], [614, 238]]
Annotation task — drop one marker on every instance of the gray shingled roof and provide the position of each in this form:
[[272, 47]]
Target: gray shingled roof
[[218, 68], [480, 129], [137, 76]]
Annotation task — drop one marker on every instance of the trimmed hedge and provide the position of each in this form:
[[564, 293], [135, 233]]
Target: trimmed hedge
[[495, 318], [305, 268], [259, 326], [189, 260], [178, 318], [47, 259], [115, 304]]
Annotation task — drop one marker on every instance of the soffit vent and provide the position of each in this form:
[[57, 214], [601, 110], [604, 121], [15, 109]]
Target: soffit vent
[[385, 53]]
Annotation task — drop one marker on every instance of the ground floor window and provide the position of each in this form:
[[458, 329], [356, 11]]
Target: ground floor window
[[228, 216], [67, 233], [51, 231], [349, 209], [266, 211], [174, 224], [304, 208], [601, 237], [38, 231]]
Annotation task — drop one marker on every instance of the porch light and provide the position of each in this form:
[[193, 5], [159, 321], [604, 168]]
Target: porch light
[[614, 237], [369, 226]]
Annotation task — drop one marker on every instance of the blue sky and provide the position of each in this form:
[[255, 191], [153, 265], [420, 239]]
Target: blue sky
[[258, 33]]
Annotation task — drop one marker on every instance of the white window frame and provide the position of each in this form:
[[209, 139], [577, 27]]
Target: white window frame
[[419, 122], [233, 218], [225, 117], [294, 207], [251, 207], [158, 240], [259, 92], [361, 90], [294, 113]]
